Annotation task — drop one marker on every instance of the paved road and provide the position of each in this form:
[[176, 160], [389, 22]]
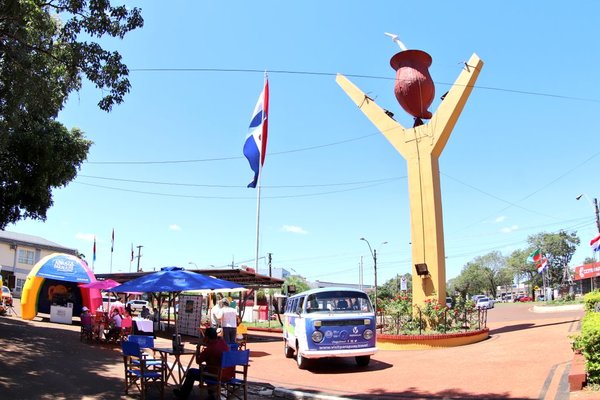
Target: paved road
[[527, 357]]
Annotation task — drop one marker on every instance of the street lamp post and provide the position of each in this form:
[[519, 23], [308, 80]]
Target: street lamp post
[[194, 264], [595, 206], [374, 255]]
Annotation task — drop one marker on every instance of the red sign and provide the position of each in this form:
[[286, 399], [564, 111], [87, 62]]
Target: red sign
[[587, 271]]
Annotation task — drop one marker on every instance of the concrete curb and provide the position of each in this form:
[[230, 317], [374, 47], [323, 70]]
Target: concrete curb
[[298, 395], [549, 309]]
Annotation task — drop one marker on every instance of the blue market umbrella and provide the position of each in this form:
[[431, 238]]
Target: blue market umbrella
[[173, 280]]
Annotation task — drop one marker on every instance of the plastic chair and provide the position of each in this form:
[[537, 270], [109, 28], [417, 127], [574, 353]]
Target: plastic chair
[[146, 342], [241, 337], [126, 327], [87, 328], [137, 371], [223, 384]]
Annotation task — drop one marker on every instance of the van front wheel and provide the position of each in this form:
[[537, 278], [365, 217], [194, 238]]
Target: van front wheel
[[362, 361], [301, 361], [288, 351]]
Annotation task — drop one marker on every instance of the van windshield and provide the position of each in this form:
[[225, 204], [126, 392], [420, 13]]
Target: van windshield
[[338, 301]]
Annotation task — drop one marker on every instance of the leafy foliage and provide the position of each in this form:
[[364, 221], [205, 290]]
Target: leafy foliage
[[588, 341], [558, 248], [43, 60], [297, 280]]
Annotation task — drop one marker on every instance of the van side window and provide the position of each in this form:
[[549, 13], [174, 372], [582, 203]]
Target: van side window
[[300, 304]]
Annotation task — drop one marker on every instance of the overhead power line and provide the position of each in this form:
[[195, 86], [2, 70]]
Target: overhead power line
[[321, 73]]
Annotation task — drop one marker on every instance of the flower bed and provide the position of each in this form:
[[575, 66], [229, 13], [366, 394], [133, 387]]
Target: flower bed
[[433, 341]]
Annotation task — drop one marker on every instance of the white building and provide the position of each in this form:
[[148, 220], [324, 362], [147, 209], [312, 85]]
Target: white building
[[19, 253]]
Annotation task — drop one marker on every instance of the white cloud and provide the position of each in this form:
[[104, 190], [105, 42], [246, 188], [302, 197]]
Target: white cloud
[[509, 229], [294, 229], [500, 219], [86, 237], [174, 227]]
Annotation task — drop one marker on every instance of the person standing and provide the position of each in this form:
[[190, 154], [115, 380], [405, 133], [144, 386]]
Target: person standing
[[215, 315], [228, 322]]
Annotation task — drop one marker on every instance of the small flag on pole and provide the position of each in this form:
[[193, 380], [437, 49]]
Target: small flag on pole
[[255, 146], [595, 243], [535, 257], [542, 265], [94, 257], [112, 243]]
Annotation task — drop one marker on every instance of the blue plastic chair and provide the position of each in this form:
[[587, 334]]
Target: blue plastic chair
[[146, 342], [239, 362], [138, 373]]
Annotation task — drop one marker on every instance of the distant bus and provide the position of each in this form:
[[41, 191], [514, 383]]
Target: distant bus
[[329, 322]]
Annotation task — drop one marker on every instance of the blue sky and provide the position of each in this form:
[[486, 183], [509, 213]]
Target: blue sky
[[521, 152]]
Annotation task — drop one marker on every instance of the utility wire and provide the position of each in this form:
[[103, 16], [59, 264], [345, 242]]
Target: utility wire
[[319, 73], [382, 180]]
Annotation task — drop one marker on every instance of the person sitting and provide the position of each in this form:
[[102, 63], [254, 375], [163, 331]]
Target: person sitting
[[87, 323], [115, 326], [145, 313], [214, 347]]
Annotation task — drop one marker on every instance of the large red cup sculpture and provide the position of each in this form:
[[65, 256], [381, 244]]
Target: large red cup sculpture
[[414, 88]]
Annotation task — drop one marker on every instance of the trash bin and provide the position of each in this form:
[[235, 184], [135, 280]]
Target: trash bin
[[263, 313]]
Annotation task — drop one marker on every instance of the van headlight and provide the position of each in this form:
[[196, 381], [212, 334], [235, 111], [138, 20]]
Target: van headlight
[[368, 334], [317, 336]]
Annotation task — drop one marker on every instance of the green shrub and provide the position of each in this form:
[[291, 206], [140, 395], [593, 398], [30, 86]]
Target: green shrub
[[588, 341], [590, 300]]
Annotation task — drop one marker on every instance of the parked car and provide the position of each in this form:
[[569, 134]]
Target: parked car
[[108, 299], [7, 296], [483, 302], [517, 298], [525, 298], [541, 297], [476, 297], [137, 305]]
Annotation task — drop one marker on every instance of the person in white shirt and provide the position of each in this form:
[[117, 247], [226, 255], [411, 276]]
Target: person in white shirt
[[228, 322], [215, 315]]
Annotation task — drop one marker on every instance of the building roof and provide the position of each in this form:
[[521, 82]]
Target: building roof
[[242, 277], [23, 239]]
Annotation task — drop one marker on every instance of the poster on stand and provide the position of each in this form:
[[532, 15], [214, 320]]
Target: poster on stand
[[190, 315]]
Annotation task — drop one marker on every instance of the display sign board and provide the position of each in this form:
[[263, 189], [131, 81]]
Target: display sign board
[[587, 271], [62, 315]]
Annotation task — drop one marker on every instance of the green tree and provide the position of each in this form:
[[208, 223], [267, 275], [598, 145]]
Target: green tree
[[558, 249], [391, 288], [42, 60], [495, 271], [472, 280], [524, 271], [297, 280]]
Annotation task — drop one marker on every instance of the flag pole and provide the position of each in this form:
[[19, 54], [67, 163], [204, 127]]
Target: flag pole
[[112, 246], [260, 159]]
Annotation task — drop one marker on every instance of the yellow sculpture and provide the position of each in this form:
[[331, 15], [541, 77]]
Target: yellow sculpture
[[421, 147]]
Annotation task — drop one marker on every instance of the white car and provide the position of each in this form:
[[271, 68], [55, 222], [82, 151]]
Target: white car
[[484, 302], [137, 305]]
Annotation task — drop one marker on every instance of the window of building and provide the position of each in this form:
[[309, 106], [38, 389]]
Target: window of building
[[26, 257], [19, 285]]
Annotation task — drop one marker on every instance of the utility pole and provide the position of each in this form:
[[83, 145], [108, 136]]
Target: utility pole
[[597, 214], [269, 258], [138, 257]]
